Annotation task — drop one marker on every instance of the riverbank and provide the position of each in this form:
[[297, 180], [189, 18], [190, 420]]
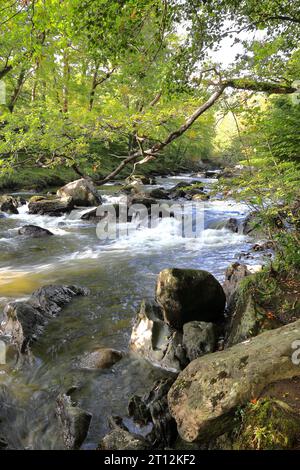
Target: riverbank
[[119, 275]]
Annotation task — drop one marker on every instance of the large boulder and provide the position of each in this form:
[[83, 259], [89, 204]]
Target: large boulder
[[102, 358], [75, 422], [199, 338], [9, 204], [24, 321], [50, 206], [188, 294], [82, 191], [155, 340], [205, 396], [34, 231]]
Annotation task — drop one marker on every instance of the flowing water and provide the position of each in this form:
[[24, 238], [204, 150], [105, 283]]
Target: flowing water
[[119, 274]]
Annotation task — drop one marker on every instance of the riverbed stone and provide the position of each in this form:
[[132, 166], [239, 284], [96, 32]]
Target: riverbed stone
[[75, 422], [82, 191], [159, 193], [188, 294], [155, 340], [199, 338], [34, 231], [102, 358], [24, 321], [206, 394], [234, 274], [53, 207]]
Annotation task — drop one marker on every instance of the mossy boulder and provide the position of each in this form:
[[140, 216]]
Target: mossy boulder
[[205, 396], [187, 295]]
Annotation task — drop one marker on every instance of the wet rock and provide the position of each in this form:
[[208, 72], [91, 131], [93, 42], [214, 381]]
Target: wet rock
[[34, 231], [9, 204], [54, 207], [159, 193], [102, 358], [121, 439], [143, 200], [206, 394], [188, 294], [24, 321], [82, 191], [155, 340], [75, 422], [153, 408], [232, 224], [263, 246], [2, 215], [199, 338]]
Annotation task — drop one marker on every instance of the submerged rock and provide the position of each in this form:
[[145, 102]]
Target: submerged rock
[[155, 340], [9, 204], [206, 394], [101, 358], [121, 439], [82, 191], [75, 422], [188, 294], [24, 321], [34, 231], [53, 207]]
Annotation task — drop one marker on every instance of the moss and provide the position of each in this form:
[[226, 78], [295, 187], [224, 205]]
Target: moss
[[266, 424]]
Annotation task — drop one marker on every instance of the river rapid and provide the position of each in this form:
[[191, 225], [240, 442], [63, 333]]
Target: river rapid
[[119, 274]]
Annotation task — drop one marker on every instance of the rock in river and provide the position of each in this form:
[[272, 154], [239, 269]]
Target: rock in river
[[34, 231], [206, 394], [155, 340], [9, 204], [188, 294], [101, 358], [24, 321], [50, 206], [82, 191], [75, 422]]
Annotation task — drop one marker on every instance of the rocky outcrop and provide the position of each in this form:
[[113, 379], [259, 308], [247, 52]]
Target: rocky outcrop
[[9, 204], [121, 439], [75, 422], [152, 409], [156, 341], [54, 207], [206, 394], [34, 231], [82, 191], [24, 321], [199, 338], [102, 358], [187, 294]]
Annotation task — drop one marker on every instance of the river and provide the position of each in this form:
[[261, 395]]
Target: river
[[119, 275]]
